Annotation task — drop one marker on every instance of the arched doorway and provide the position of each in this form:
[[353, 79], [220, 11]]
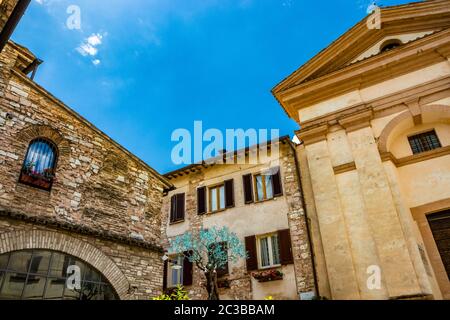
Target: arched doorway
[[51, 275]]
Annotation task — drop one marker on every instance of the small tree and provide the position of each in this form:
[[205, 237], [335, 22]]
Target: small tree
[[206, 251]]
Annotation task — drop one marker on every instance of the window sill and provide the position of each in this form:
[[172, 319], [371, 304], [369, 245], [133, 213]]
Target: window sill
[[36, 182], [210, 213], [268, 275], [267, 200], [261, 269], [427, 155], [176, 222]]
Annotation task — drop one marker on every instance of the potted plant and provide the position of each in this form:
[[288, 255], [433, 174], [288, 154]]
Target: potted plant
[[42, 180], [268, 275]]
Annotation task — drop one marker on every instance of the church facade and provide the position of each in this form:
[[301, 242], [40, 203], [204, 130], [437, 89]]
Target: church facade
[[374, 112]]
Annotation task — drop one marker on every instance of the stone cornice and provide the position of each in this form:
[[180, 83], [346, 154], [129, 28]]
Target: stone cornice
[[367, 72], [358, 116], [344, 168], [351, 122], [414, 17], [401, 162], [313, 134], [356, 121], [79, 229]]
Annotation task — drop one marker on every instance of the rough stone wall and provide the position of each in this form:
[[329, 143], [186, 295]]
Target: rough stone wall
[[6, 8], [239, 279], [97, 184], [301, 249], [142, 268]]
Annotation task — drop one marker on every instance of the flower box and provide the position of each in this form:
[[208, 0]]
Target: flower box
[[36, 180], [268, 275]]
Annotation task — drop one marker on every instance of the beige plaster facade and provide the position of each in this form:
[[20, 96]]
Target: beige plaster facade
[[366, 193], [257, 218]]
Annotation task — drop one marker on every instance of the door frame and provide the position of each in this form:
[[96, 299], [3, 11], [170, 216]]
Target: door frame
[[420, 216]]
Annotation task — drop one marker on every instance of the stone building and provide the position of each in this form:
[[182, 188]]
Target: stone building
[[374, 111], [6, 9], [11, 11], [261, 201], [72, 201]]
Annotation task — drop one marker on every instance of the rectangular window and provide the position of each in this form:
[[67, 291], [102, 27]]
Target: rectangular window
[[268, 251], [263, 187], [175, 271], [177, 208], [217, 198], [424, 142]]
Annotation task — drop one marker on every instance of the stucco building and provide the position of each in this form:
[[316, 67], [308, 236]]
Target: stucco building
[[374, 111], [73, 203], [262, 203]]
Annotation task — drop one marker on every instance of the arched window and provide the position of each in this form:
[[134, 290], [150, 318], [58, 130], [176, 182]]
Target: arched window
[[39, 165], [390, 45], [50, 275]]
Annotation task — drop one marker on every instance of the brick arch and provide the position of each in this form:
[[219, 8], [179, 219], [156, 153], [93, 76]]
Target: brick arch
[[48, 240], [42, 131], [442, 110]]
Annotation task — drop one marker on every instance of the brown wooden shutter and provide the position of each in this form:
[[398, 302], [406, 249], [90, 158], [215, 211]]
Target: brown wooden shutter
[[180, 206], [173, 208], [252, 260], [276, 183], [166, 266], [225, 269], [229, 193], [248, 188], [284, 240], [201, 200], [187, 270]]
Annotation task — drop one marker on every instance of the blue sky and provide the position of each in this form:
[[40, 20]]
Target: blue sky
[[139, 69]]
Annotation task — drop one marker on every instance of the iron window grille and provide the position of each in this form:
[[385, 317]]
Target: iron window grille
[[423, 142], [39, 166]]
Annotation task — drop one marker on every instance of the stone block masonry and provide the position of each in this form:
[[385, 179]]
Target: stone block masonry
[[100, 190]]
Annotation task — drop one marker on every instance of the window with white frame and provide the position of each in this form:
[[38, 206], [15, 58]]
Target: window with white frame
[[268, 251], [263, 187], [217, 198], [175, 271]]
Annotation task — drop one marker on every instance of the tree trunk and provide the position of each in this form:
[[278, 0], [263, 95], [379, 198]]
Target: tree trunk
[[211, 285]]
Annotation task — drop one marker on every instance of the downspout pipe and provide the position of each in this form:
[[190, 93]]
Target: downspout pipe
[[12, 22]]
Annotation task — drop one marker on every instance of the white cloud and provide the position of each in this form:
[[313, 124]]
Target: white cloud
[[86, 49], [95, 39], [89, 46]]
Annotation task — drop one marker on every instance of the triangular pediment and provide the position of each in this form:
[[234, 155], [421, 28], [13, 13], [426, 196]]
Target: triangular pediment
[[400, 39], [406, 23]]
